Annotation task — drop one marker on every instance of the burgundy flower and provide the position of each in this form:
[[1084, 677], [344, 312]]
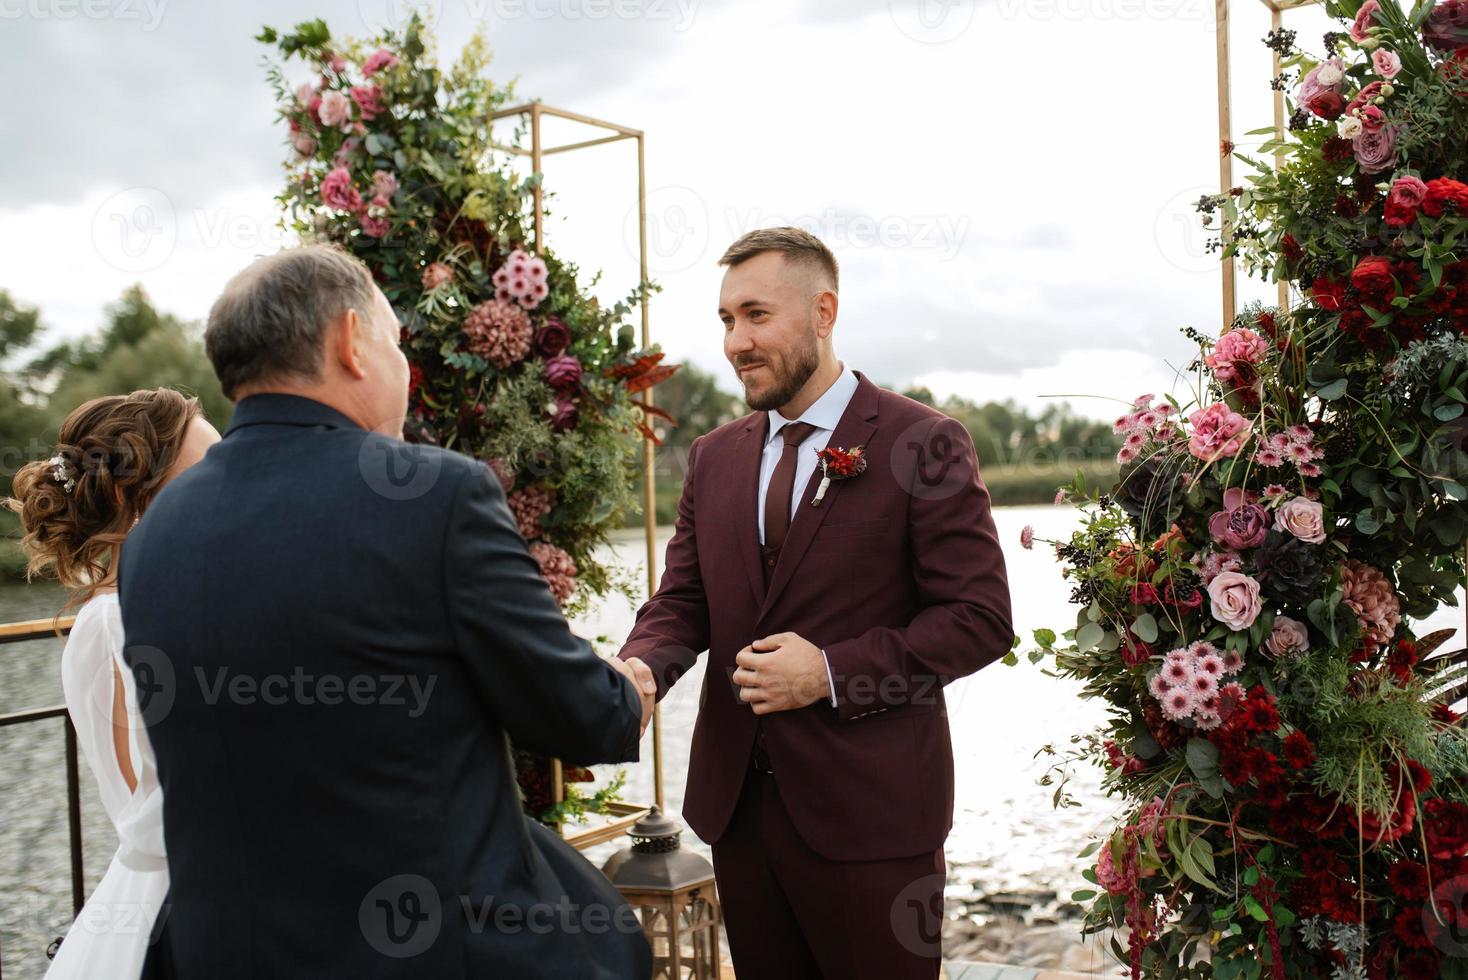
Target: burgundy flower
[[1327, 293], [1446, 825], [563, 373], [552, 338], [565, 415], [1373, 277], [1447, 26]]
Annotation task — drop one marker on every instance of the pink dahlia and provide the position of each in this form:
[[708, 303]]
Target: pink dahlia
[[377, 61], [529, 505], [1027, 537], [1370, 594], [558, 569], [498, 332]]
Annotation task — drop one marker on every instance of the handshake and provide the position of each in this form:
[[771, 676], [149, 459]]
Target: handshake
[[781, 672]]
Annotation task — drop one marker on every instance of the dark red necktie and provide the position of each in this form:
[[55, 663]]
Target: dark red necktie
[[782, 485]]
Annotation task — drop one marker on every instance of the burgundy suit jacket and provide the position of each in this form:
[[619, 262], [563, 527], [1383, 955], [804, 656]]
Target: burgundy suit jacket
[[897, 575]]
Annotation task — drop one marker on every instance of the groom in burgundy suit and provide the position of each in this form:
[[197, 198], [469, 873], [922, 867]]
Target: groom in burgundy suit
[[833, 614]]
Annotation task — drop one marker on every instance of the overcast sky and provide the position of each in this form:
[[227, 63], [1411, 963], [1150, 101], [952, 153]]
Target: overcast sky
[[1007, 184]]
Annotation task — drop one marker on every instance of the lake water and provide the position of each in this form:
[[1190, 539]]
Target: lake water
[[1007, 837]]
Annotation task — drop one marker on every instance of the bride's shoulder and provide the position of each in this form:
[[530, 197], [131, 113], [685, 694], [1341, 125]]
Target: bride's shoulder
[[99, 618]]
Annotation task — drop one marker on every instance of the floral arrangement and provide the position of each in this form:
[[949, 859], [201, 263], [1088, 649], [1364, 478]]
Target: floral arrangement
[[511, 360], [1296, 780]]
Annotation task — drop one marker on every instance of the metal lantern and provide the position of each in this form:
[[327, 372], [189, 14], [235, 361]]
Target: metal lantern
[[672, 892]]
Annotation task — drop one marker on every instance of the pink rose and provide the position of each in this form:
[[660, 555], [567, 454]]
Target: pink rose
[[1388, 64], [1288, 637], [1376, 150], [1235, 600], [384, 184], [436, 275], [1217, 431], [1241, 523], [305, 145], [375, 223], [377, 61], [1363, 20], [335, 109], [1302, 517], [305, 93], [1311, 86], [337, 191], [367, 98], [1237, 347]]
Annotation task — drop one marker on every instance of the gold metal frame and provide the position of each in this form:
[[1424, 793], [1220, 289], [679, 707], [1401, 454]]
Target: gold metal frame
[[626, 814], [1225, 133]]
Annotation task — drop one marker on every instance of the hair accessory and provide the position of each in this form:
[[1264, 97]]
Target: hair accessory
[[61, 472]]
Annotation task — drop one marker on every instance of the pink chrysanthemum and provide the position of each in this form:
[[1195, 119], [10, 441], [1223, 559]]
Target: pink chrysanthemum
[[1232, 662], [1301, 433], [1309, 469], [1270, 458], [1158, 686], [1178, 704]]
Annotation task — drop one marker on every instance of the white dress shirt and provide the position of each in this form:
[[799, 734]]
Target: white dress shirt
[[824, 414]]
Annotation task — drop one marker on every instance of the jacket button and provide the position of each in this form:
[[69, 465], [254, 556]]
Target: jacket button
[[770, 562]]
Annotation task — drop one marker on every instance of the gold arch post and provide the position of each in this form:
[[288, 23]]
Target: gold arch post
[[626, 813], [1225, 133]]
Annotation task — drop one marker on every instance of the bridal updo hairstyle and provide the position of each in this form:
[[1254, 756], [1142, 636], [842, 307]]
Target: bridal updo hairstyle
[[115, 452]]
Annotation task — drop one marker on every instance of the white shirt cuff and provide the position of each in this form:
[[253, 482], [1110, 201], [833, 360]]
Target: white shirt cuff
[[829, 679]]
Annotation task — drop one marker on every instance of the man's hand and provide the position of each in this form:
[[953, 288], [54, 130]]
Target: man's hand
[[781, 672], [640, 674]]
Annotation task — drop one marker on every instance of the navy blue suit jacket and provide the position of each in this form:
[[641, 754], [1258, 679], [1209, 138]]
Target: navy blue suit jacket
[[333, 634]]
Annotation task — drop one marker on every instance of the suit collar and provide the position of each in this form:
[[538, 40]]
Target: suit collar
[[857, 425], [827, 410], [278, 409]]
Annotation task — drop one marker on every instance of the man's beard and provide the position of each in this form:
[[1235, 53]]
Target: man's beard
[[801, 364]]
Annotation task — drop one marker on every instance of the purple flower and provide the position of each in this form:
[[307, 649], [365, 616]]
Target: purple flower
[[1240, 524], [1376, 150], [565, 415], [563, 372], [552, 338], [1447, 26]]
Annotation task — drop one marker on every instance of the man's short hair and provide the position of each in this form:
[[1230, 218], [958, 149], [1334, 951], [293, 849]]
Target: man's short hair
[[270, 322], [796, 244]]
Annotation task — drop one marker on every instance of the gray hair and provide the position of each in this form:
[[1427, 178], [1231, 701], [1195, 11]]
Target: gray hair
[[270, 322]]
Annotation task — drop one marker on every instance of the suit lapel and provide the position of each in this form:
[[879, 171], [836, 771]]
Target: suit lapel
[[854, 429], [748, 453]]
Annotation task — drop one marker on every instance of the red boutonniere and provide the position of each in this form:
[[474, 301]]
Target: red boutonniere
[[838, 464]]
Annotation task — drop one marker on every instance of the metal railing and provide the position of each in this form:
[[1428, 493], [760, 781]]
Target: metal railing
[[41, 629]]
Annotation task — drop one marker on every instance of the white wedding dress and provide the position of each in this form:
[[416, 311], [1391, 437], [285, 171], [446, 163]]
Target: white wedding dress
[[110, 936]]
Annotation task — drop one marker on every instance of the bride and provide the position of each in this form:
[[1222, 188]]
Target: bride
[[112, 457]]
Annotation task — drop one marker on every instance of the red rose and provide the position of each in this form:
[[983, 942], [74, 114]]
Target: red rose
[[1446, 825], [1373, 277], [1292, 250], [1364, 97], [1326, 104], [1443, 192], [1327, 293]]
